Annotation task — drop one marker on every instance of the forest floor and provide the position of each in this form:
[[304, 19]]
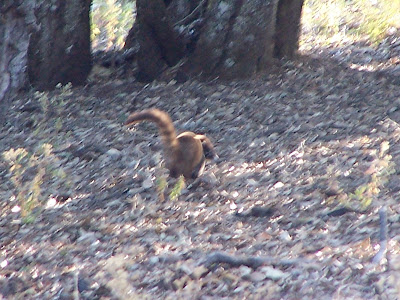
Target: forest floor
[[309, 156]]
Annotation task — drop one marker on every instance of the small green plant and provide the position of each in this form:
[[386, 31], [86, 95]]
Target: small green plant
[[161, 184], [53, 109], [43, 99], [380, 170], [176, 190], [19, 160], [364, 194], [66, 91], [28, 172]]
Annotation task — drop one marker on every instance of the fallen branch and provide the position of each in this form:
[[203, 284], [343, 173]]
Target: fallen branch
[[252, 262], [257, 211]]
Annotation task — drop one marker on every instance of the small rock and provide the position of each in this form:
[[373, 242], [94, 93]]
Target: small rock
[[199, 272], [257, 276], [252, 182], [133, 164], [245, 271], [114, 154], [285, 236], [147, 183], [272, 273], [186, 269], [154, 260]]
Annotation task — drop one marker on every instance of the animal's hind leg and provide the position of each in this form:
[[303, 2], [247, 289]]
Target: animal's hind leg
[[199, 169]]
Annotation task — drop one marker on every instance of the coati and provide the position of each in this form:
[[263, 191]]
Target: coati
[[186, 153]]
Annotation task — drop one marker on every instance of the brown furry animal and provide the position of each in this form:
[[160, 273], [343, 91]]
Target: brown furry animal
[[186, 153]]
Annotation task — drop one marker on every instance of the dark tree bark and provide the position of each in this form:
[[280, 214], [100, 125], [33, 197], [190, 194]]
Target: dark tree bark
[[17, 22], [287, 28], [226, 39], [43, 43], [60, 51], [237, 39], [160, 45]]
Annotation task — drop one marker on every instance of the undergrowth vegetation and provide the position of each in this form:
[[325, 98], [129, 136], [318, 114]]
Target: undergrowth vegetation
[[379, 172], [110, 23], [336, 21], [324, 22], [29, 170], [174, 192]]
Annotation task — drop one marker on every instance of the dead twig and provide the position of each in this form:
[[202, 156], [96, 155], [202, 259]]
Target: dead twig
[[383, 233]]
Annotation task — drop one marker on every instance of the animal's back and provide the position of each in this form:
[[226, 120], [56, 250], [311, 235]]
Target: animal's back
[[184, 154]]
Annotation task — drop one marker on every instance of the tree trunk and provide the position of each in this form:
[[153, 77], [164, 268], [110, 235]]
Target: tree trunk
[[287, 28], [237, 39], [60, 51], [159, 43], [42, 43], [225, 39], [16, 24]]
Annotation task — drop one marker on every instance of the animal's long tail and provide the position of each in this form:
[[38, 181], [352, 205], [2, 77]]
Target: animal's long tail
[[164, 122]]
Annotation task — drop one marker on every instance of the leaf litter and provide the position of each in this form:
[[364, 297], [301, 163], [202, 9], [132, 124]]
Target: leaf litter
[[308, 156]]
